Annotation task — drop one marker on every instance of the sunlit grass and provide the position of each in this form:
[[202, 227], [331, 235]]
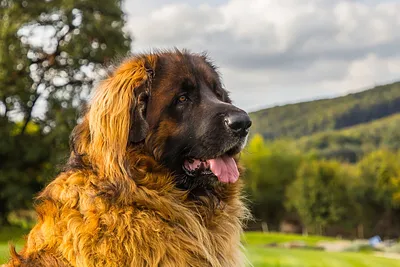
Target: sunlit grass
[[279, 257], [12, 235], [257, 238], [261, 255]]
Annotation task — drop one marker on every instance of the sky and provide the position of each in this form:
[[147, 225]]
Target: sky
[[273, 52]]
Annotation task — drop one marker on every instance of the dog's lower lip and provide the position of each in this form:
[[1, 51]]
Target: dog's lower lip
[[193, 173], [189, 173], [197, 171]]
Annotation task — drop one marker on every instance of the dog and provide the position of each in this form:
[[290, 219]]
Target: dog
[[152, 178]]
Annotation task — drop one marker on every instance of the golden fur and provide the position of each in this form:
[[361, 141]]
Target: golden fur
[[125, 210]]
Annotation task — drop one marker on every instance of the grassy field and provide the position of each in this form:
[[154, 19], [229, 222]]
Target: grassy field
[[257, 238], [276, 257], [10, 234], [261, 255]]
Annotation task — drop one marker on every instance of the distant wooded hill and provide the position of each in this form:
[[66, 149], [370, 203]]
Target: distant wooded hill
[[344, 128]]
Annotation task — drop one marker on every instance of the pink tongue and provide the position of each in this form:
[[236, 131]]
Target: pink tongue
[[225, 169]]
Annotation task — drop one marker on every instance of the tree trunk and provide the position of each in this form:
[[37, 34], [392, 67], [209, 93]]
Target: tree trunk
[[360, 231]]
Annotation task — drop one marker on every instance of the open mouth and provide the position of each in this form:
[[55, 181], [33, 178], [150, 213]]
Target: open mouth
[[223, 167]]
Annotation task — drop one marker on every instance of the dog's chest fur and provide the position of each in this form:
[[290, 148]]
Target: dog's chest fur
[[86, 221]]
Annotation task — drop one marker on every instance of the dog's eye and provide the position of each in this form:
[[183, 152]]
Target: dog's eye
[[182, 99]]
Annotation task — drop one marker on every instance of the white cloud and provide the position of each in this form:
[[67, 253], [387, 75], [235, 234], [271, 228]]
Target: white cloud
[[365, 72], [274, 51]]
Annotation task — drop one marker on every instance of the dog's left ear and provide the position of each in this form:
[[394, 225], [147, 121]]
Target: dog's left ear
[[117, 115], [139, 126]]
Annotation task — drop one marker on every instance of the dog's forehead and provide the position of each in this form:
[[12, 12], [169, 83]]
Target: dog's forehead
[[174, 70], [186, 66]]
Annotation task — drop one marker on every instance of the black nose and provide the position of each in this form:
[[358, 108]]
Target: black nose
[[238, 122]]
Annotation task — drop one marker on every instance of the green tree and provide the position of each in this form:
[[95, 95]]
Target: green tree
[[379, 173], [319, 194], [51, 53], [378, 169], [270, 167]]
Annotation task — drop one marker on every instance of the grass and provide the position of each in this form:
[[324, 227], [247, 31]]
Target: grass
[[257, 238], [13, 235], [258, 253], [278, 257], [262, 256]]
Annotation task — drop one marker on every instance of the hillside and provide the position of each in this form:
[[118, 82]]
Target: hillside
[[307, 118], [352, 143]]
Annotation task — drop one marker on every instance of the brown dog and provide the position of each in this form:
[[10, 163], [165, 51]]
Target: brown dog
[[152, 179]]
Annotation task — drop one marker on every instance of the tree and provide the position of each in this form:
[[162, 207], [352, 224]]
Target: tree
[[395, 180], [51, 53], [379, 172], [319, 194], [269, 169]]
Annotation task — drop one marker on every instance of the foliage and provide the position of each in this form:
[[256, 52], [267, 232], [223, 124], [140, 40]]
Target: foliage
[[325, 194], [378, 190], [51, 53], [318, 193], [302, 119], [269, 169], [353, 143], [379, 170], [350, 172]]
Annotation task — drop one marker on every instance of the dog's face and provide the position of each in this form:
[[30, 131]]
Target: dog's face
[[170, 106], [187, 121]]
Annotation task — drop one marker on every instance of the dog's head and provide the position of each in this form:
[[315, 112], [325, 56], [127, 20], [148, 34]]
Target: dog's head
[[173, 105]]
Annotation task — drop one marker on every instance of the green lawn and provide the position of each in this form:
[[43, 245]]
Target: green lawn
[[10, 234], [261, 255], [257, 238], [277, 257]]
